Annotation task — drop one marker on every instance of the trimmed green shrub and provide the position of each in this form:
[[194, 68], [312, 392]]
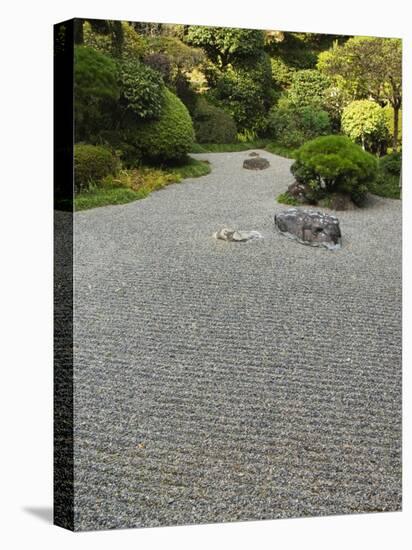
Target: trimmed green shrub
[[364, 121], [91, 164], [292, 126], [334, 163], [141, 89], [213, 125], [169, 138], [95, 90], [388, 179]]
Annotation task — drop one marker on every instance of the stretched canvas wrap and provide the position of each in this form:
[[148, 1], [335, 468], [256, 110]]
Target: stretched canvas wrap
[[227, 274]]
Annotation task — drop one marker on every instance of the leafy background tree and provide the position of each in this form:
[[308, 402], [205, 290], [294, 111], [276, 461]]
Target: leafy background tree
[[308, 87], [368, 67], [238, 72]]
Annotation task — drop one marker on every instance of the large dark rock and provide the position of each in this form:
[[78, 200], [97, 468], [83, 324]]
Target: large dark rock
[[305, 195], [310, 227], [256, 163]]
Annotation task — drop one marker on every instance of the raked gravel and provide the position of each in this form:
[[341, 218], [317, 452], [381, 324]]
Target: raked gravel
[[219, 381]]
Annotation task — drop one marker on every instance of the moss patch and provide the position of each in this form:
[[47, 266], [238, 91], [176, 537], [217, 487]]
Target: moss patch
[[131, 185], [286, 198]]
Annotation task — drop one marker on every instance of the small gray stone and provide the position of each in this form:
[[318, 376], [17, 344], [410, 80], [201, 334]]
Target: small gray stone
[[256, 163], [310, 227]]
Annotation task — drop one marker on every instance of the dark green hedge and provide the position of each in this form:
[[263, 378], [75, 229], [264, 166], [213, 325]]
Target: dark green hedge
[[292, 126], [213, 125], [96, 91], [91, 164], [169, 138], [388, 178]]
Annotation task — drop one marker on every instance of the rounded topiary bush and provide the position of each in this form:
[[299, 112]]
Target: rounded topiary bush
[[169, 138], [213, 125], [335, 164], [91, 164], [365, 122]]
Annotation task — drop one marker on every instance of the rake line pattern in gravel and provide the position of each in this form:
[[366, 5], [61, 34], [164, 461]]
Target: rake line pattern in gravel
[[221, 381]]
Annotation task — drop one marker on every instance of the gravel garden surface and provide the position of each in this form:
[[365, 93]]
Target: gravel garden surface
[[222, 381]]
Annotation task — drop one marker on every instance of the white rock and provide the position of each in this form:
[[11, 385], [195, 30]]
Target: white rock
[[237, 235]]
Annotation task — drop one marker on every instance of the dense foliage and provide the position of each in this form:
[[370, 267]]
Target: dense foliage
[[282, 74], [95, 89], [334, 163], [388, 180], [292, 126], [134, 46], [308, 87], [181, 56], [141, 89], [91, 164], [391, 164], [295, 50], [226, 45], [368, 67], [245, 91], [169, 138], [212, 124], [238, 73], [366, 123]]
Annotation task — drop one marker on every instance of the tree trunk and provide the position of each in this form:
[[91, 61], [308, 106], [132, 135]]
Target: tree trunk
[[117, 37], [78, 31], [395, 128]]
